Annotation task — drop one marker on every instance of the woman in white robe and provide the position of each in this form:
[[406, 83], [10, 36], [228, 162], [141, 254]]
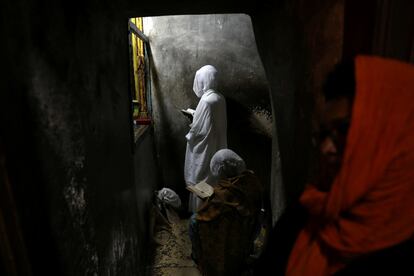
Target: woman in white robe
[[208, 132]]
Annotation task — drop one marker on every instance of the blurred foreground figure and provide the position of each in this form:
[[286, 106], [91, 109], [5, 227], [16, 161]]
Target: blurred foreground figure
[[223, 229], [361, 205]]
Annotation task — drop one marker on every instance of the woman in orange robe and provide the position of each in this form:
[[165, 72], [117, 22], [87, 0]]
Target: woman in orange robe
[[370, 205]]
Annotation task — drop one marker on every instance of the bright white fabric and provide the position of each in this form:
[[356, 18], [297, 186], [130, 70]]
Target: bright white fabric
[[169, 197], [226, 163], [204, 80], [208, 132]]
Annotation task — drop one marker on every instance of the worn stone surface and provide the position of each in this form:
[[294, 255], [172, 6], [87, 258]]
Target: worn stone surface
[[66, 124], [173, 251]]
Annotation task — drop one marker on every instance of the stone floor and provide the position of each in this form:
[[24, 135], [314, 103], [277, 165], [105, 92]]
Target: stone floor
[[172, 254], [173, 247]]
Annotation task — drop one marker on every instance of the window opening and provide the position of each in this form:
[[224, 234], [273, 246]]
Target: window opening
[[139, 75]]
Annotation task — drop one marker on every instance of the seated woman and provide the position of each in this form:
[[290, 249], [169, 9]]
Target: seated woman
[[222, 231]]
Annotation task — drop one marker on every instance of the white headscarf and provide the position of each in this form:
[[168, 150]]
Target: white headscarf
[[226, 163], [169, 197], [205, 79]]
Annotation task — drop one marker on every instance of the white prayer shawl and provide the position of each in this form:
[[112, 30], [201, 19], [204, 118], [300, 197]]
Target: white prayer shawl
[[208, 132]]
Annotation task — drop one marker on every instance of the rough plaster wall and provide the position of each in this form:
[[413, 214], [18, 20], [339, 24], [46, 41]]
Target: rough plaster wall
[[182, 44], [83, 118], [299, 43], [146, 182], [281, 51], [67, 127]]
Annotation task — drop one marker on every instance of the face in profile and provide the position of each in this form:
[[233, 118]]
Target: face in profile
[[333, 132]]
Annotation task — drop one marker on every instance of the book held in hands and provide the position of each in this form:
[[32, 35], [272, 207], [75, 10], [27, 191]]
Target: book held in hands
[[188, 111], [202, 189]]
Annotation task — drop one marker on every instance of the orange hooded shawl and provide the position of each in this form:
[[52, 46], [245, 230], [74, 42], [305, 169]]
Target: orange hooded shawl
[[371, 203]]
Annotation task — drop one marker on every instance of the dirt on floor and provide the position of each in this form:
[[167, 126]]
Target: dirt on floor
[[173, 246], [173, 250]]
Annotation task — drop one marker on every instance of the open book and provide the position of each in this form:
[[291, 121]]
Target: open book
[[188, 111], [202, 189]]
